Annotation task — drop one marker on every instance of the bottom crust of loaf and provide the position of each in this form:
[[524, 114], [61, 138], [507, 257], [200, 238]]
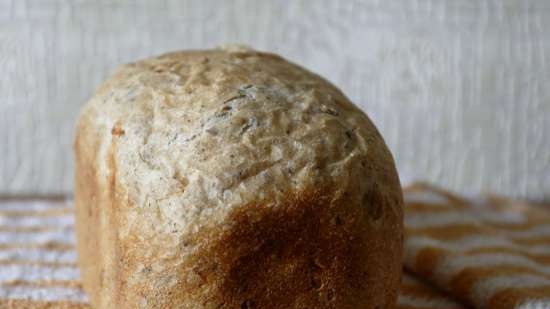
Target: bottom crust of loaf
[[314, 250]]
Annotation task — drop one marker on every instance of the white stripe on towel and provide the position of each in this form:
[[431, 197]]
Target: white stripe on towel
[[484, 289], [425, 197], [65, 236], [10, 272], [26, 222], [38, 255], [435, 303], [50, 293], [34, 205]]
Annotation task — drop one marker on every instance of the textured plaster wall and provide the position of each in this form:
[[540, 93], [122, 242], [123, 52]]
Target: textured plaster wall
[[459, 89]]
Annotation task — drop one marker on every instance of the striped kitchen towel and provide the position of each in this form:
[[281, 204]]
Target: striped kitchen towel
[[37, 255], [460, 253], [484, 252]]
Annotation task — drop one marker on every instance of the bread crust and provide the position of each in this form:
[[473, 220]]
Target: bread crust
[[233, 179]]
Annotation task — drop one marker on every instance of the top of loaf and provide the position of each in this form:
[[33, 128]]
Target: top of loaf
[[193, 134]]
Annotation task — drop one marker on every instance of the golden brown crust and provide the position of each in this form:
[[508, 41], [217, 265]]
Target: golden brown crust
[[311, 220], [313, 251]]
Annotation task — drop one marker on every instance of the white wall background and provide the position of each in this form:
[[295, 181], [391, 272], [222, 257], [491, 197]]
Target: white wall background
[[459, 89]]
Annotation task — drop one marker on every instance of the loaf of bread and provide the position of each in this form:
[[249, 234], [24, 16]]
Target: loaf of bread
[[232, 178]]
